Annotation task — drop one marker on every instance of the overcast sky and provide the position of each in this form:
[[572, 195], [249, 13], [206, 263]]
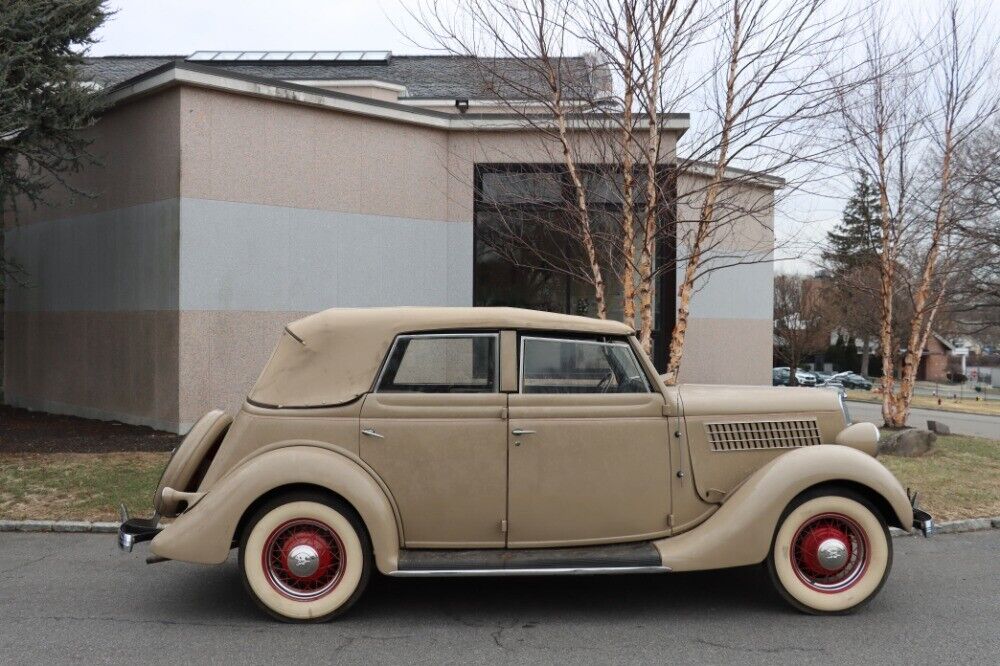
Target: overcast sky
[[185, 26], [181, 27]]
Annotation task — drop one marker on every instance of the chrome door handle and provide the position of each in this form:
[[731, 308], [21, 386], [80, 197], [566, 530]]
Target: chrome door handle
[[371, 432], [518, 432]]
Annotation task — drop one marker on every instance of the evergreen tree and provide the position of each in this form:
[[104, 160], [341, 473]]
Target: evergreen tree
[[44, 100], [855, 241]]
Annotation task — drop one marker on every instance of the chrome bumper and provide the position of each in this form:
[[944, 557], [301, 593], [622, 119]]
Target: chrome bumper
[[923, 522], [921, 519], [136, 530]]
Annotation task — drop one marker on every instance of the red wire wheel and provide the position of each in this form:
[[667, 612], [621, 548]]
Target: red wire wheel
[[830, 553], [304, 559]]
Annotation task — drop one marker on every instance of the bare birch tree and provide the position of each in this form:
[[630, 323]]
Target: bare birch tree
[[769, 83], [919, 103]]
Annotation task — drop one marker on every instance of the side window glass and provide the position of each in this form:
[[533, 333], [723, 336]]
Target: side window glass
[[550, 365], [441, 364]]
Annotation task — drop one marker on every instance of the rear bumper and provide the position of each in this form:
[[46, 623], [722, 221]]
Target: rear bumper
[[136, 530], [923, 521]]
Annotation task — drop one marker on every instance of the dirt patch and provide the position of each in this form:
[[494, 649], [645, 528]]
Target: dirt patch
[[24, 431]]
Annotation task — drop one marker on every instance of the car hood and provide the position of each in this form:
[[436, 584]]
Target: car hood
[[707, 400]]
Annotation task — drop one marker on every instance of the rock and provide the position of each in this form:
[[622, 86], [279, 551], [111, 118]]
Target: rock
[[938, 428], [908, 443]]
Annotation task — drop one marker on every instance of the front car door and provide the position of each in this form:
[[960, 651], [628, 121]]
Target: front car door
[[589, 446], [434, 430]]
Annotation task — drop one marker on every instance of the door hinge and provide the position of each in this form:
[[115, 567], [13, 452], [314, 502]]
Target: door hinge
[[670, 520], [503, 413], [503, 526]]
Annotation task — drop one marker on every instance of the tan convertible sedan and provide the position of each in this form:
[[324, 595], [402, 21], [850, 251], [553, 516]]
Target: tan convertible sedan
[[498, 441]]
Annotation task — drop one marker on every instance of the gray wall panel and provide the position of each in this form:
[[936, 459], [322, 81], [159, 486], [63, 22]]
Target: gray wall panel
[[118, 260], [238, 256], [734, 292]]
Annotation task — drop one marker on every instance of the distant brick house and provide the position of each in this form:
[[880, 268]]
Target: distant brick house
[[239, 191], [936, 361]]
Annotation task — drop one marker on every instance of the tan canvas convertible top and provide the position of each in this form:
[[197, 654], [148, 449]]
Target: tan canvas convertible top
[[331, 357]]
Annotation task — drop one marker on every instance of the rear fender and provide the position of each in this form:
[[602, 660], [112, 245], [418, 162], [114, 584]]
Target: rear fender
[[204, 534], [741, 531]]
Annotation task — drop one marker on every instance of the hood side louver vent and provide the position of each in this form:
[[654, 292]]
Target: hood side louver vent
[[755, 435]]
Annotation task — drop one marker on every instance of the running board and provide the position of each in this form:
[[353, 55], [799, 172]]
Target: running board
[[590, 560]]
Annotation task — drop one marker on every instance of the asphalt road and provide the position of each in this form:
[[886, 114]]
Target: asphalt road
[[964, 424], [74, 599]]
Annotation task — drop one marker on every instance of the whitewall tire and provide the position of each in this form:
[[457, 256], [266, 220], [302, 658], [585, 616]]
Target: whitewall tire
[[831, 553], [305, 557]]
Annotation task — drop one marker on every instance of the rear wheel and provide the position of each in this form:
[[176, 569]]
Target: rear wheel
[[305, 557], [831, 552]]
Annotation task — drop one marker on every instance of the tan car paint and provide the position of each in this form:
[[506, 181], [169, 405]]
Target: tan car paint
[[205, 533], [717, 473], [445, 458], [256, 427], [860, 436], [184, 464], [590, 469], [740, 532]]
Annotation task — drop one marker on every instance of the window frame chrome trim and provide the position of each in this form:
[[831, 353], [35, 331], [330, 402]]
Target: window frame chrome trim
[[621, 343]]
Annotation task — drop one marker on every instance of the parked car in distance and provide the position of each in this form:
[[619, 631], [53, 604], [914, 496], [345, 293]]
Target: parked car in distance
[[853, 380], [495, 441], [780, 377]]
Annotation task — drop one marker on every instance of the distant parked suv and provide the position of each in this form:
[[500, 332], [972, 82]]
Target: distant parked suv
[[853, 380], [780, 377]]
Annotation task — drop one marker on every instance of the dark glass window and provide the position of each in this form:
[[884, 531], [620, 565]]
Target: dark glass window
[[460, 363], [550, 365], [527, 252]]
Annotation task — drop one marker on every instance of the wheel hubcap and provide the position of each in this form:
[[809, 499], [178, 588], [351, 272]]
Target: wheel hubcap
[[830, 553], [304, 559]]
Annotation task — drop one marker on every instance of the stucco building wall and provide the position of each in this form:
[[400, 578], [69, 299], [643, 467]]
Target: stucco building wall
[[94, 329], [217, 218], [730, 332]]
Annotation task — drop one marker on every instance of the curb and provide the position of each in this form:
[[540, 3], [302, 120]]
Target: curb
[[955, 526], [58, 526], [83, 526]]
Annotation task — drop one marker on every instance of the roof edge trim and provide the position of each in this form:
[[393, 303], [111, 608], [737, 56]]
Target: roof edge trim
[[176, 73]]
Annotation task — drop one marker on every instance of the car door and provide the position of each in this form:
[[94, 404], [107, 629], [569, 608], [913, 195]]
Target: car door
[[589, 452], [434, 431]]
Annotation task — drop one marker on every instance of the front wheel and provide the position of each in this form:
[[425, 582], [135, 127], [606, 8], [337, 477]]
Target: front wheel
[[831, 553], [305, 557]]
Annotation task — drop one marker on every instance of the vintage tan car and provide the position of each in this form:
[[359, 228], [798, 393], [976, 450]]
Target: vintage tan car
[[498, 441]]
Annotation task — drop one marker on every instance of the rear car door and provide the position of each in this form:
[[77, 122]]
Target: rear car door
[[589, 446], [434, 431]]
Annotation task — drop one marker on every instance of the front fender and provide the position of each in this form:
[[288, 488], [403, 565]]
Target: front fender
[[740, 532], [204, 533]]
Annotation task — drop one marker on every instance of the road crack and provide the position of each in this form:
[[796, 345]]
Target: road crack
[[743, 648]]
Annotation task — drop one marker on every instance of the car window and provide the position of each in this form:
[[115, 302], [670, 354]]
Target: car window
[[550, 365], [447, 363]]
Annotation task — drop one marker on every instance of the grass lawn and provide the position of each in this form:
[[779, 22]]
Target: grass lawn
[[77, 486], [961, 479], [968, 405]]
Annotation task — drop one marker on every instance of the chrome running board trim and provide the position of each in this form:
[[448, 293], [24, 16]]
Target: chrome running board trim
[[543, 571]]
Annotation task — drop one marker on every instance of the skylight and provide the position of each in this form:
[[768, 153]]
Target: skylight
[[291, 56]]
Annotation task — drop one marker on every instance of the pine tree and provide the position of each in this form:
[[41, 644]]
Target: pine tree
[[855, 241], [44, 99]]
